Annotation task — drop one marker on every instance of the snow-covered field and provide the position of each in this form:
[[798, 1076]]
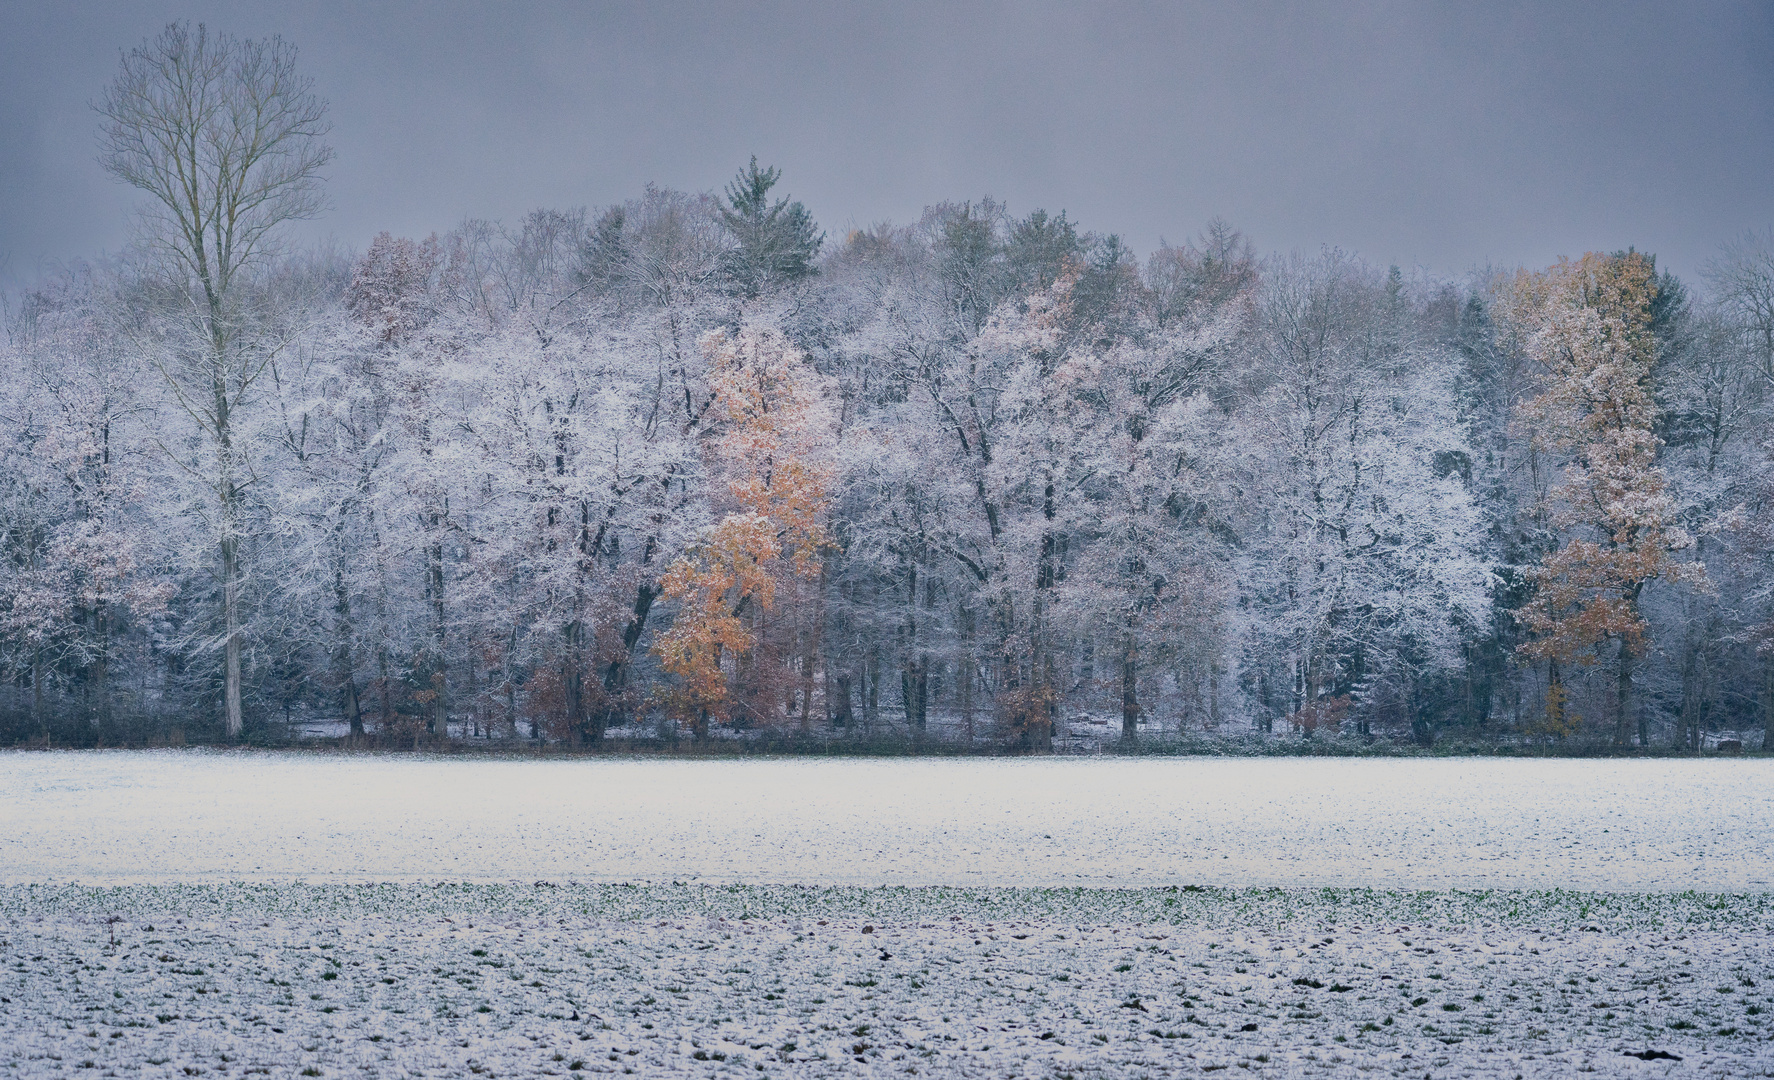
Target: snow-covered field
[[538, 981], [192, 914], [162, 816]]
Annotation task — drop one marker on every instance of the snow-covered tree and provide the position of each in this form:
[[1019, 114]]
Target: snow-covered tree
[[1587, 324], [770, 451], [83, 571], [226, 139], [1362, 564]]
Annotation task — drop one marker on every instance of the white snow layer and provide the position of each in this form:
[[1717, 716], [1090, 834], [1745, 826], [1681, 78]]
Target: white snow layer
[[1609, 825], [1501, 971], [968, 996]]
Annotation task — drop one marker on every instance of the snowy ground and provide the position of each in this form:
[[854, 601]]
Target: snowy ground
[[162, 816], [1467, 917], [399, 981]]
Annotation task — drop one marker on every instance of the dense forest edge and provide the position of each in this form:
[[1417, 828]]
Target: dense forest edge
[[687, 474]]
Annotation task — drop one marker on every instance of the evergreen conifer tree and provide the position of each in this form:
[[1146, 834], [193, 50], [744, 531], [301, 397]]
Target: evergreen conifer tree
[[774, 242]]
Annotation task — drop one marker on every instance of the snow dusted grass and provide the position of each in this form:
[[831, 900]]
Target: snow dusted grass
[[409, 980], [236, 915]]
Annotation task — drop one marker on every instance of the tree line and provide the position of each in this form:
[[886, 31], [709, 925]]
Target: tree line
[[685, 467]]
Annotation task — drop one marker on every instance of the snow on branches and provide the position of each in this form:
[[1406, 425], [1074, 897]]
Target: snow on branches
[[1587, 324], [772, 452]]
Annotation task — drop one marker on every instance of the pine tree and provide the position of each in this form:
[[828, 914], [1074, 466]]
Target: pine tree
[[775, 243]]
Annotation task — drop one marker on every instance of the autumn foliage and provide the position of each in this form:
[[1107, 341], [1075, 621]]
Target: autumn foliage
[[1588, 325], [772, 454]]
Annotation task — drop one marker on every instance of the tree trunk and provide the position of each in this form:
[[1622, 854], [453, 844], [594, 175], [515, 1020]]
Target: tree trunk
[[810, 656], [1555, 701], [911, 678], [101, 669], [842, 716], [1689, 735], [230, 519], [612, 712], [231, 648], [1768, 701], [1030, 707], [1050, 704], [968, 671], [510, 677], [343, 631], [438, 722], [353, 708], [382, 681], [967, 675], [1130, 702], [37, 715], [1046, 700], [1623, 698], [914, 684], [573, 678], [871, 683]]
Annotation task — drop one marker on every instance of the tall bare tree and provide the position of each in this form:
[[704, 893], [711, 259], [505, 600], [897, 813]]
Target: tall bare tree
[[228, 141], [1742, 278]]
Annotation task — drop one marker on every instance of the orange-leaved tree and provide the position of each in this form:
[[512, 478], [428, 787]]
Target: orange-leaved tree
[[1587, 324], [772, 456]]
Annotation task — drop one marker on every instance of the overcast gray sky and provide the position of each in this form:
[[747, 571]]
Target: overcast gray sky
[[1442, 136]]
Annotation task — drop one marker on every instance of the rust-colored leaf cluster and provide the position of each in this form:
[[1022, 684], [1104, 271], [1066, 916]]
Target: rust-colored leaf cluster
[[773, 456], [1588, 325]]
